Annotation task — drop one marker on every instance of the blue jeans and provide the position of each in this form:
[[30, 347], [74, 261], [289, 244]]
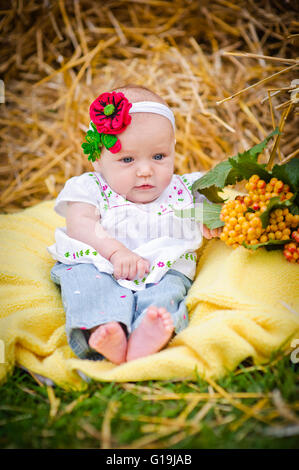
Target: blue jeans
[[92, 298]]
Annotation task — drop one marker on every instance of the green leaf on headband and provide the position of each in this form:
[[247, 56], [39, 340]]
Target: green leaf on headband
[[93, 145], [108, 140], [92, 151]]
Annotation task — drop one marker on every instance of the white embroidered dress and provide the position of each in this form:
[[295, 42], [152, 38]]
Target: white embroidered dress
[[150, 230]]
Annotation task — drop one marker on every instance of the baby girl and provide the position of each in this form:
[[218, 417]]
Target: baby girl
[[123, 264]]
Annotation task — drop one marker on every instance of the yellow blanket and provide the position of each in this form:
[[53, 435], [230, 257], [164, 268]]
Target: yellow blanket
[[242, 304]]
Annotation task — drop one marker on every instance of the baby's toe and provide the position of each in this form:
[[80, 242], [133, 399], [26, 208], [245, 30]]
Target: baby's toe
[[162, 311], [111, 327], [167, 320], [98, 335], [152, 312]]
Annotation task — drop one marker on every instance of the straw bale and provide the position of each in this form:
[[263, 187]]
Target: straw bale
[[226, 68]]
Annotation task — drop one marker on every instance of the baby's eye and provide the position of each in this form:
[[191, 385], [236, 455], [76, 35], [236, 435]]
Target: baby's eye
[[127, 159], [160, 155]]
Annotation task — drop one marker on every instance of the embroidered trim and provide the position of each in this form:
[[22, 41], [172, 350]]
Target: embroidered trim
[[165, 208], [77, 254]]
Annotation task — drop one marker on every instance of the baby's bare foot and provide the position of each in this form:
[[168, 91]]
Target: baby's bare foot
[[110, 340], [151, 335]]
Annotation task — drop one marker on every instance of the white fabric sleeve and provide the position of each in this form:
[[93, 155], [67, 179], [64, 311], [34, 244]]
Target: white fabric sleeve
[[78, 189]]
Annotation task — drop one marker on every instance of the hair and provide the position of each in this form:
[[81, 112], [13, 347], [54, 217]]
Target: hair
[[135, 93]]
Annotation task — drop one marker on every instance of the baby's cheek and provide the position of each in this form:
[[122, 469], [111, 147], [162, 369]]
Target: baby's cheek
[[166, 178], [96, 166], [124, 186]]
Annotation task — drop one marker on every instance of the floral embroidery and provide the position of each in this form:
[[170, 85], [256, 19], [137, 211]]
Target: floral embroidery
[[160, 264], [80, 253], [192, 256], [102, 187]]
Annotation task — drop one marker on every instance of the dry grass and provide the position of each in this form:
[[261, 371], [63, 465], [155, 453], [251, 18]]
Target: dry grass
[[57, 56]]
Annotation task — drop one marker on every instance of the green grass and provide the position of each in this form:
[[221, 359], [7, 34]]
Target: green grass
[[120, 415]]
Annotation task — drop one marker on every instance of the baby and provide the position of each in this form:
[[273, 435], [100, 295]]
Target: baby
[[123, 288]]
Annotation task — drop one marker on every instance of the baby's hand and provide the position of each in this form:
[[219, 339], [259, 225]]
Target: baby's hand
[[207, 233], [128, 265]]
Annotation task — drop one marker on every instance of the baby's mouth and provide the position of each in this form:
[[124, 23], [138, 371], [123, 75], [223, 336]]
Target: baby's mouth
[[144, 186]]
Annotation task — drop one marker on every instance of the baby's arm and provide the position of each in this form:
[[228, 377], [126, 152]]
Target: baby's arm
[[83, 223]]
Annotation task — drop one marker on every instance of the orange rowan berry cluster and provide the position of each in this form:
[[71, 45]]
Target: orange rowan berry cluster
[[242, 225], [259, 192], [291, 250], [281, 222]]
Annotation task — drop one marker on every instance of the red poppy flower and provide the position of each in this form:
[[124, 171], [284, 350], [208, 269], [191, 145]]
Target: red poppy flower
[[110, 113]]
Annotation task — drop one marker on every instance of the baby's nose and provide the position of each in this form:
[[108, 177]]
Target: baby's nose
[[144, 169]]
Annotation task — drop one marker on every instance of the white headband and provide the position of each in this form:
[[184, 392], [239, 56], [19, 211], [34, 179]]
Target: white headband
[[153, 107]]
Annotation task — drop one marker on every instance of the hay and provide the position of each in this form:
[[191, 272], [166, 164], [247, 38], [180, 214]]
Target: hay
[[225, 67]]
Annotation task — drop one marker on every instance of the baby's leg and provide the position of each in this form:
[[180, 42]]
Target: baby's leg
[[92, 299], [160, 311], [110, 340]]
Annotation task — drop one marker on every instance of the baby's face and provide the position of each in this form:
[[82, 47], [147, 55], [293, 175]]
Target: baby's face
[[146, 158]]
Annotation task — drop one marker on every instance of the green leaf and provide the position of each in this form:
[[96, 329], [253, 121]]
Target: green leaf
[[245, 168], [288, 173], [246, 163], [93, 145], [208, 214], [235, 169], [94, 127], [93, 137], [108, 140], [269, 245], [211, 215], [217, 177], [253, 153], [275, 203], [211, 194], [87, 148], [294, 208]]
